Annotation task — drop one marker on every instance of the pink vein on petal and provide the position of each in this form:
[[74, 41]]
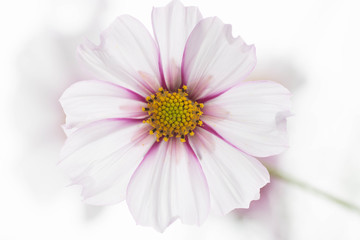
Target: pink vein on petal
[[151, 150], [212, 131], [125, 120], [132, 94]]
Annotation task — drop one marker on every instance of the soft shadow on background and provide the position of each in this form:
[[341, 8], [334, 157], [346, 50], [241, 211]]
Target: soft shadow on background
[[47, 65], [279, 69]]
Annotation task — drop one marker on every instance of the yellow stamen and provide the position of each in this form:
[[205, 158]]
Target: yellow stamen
[[172, 114]]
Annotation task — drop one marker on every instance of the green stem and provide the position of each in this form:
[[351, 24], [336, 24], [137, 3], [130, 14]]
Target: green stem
[[281, 176]]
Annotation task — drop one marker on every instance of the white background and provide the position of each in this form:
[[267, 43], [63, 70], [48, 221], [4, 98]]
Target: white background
[[311, 47]]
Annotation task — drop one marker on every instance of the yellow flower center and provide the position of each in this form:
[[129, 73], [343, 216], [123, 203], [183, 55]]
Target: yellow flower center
[[172, 114]]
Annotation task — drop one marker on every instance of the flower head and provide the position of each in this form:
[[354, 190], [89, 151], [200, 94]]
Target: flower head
[[172, 127]]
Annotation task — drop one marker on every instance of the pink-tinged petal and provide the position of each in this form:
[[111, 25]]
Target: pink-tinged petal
[[234, 177], [127, 56], [214, 61], [168, 184], [102, 156], [93, 100], [252, 117], [172, 26], [68, 130]]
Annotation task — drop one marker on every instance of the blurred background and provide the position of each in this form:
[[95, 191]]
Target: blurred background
[[310, 46]]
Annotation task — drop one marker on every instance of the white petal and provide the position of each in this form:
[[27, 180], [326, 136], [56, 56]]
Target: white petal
[[213, 60], [93, 100], [234, 178], [252, 117], [168, 184], [102, 156], [172, 26], [127, 56]]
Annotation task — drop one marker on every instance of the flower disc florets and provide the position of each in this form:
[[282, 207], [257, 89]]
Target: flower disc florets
[[172, 114]]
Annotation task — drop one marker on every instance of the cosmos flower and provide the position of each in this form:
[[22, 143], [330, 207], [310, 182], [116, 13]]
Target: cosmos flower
[[172, 126]]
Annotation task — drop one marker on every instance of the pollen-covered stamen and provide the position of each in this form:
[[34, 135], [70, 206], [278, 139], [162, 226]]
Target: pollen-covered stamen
[[172, 114]]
